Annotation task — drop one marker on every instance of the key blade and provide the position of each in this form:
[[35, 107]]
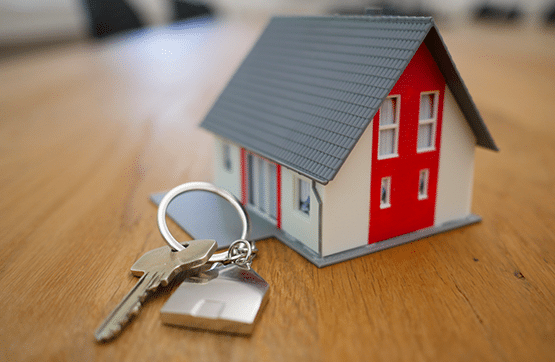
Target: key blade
[[158, 266], [127, 308]]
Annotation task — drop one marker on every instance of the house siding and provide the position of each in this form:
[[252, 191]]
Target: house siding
[[456, 164], [346, 201], [304, 228]]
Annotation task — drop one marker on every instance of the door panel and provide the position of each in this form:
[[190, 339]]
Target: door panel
[[262, 186]]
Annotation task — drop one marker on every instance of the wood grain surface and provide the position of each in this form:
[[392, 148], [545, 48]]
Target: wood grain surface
[[89, 130]]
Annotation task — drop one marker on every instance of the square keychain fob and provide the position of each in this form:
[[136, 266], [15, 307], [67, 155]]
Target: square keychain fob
[[225, 298]]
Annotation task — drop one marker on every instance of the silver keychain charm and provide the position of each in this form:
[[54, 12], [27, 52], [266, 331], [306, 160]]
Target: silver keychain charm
[[226, 297]]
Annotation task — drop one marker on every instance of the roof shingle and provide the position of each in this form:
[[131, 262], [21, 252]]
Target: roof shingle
[[311, 85]]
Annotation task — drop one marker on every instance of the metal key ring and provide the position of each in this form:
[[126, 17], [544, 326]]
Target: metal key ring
[[197, 186]]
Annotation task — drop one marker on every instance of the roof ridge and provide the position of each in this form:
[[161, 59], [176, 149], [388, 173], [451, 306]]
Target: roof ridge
[[381, 18]]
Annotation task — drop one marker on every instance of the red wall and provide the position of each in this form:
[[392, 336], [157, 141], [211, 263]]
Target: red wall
[[407, 213]]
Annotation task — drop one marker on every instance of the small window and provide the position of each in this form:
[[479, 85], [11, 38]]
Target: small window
[[385, 193], [423, 184], [427, 121], [227, 157], [389, 128], [303, 193]]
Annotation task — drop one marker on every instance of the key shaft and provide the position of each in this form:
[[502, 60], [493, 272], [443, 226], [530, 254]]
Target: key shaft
[[158, 266], [128, 307]]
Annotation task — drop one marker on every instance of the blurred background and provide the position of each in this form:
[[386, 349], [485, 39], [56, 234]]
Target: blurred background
[[31, 24], [100, 102]]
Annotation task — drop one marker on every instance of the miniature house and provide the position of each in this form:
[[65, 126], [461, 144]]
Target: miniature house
[[348, 134]]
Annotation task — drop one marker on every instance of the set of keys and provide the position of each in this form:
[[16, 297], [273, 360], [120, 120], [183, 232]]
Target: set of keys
[[221, 292]]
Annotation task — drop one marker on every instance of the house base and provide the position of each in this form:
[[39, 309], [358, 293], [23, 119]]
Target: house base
[[206, 216]]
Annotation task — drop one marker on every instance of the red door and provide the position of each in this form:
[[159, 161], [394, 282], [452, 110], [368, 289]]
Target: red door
[[405, 151]]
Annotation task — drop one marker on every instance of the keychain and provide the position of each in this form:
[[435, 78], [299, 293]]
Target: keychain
[[222, 292], [229, 295], [226, 298]]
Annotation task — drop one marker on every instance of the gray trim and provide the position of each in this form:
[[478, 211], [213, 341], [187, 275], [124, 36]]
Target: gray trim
[[321, 262], [320, 213]]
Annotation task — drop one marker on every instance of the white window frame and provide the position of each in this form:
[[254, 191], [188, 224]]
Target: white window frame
[[423, 174], [272, 187], [261, 182], [432, 121], [394, 126], [261, 176], [387, 203], [298, 202], [226, 157]]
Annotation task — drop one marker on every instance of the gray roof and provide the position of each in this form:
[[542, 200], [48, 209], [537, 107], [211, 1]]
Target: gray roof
[[311, 85]]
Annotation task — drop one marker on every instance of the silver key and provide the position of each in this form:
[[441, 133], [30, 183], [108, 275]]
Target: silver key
[[158, 266]]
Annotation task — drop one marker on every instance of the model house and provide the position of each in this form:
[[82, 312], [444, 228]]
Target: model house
[[349, 134]]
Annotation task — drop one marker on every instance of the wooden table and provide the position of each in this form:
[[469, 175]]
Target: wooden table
[[89, 130]]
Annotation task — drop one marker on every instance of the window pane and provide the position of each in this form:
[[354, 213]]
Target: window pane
[[425, 135], [385, 192], [227, 157], [273, 191], [387, 111], [427, 106], [423, 184], [304, 196], [387, 142]]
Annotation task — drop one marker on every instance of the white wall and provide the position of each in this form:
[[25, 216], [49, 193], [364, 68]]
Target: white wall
[[302, 227], [456, 164], [294, 222], [229, 180], [346, 199]]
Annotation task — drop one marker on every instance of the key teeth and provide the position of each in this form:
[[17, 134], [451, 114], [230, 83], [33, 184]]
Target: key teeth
[[115, 329], [142, 298], [108, 334], [136, 309]]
